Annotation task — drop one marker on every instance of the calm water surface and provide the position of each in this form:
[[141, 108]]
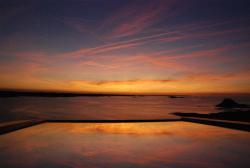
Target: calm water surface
[[123, 107], [166, 144]]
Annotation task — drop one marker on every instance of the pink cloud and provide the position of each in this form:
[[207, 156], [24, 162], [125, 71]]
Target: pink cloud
[[167, 36], [135, 18]]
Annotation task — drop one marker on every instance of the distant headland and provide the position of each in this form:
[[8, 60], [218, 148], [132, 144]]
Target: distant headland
[[21, 93]]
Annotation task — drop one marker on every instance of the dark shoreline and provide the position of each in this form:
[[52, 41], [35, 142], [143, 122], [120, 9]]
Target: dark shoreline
[[236, 115], [69, 94]]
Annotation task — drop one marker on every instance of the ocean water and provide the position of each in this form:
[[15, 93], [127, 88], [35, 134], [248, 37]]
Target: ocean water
[[113, 107]]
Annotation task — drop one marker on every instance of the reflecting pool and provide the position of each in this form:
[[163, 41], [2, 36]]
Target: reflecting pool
[[163, 144]]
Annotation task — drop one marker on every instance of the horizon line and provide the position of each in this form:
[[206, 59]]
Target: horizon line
[[47, 91]]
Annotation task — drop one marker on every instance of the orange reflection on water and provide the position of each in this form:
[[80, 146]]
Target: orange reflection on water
[[166, 144]]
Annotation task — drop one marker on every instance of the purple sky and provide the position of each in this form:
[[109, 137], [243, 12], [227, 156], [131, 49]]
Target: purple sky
[[125, 46]]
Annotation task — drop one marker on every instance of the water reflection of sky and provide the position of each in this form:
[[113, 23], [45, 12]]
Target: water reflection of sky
[[147, 107], [169, 144]]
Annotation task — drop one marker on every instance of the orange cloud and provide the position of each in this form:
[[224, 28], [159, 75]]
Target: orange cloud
[[125, 72], [191, 83]]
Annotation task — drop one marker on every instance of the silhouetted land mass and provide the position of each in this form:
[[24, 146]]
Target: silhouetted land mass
[[230, 103], [175, 97], [237, 115], [47, 94], [229, 114], [64, 94]]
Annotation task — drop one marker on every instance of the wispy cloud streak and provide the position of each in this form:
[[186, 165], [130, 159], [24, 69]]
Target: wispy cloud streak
[[136, 17], [169, 36]]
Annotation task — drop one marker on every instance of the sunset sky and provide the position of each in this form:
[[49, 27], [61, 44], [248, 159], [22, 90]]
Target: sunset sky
[[125, 46]]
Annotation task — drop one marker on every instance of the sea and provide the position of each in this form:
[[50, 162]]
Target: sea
[[110, 107]]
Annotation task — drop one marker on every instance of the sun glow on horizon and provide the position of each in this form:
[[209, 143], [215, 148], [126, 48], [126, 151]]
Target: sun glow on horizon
[[149, 47]]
